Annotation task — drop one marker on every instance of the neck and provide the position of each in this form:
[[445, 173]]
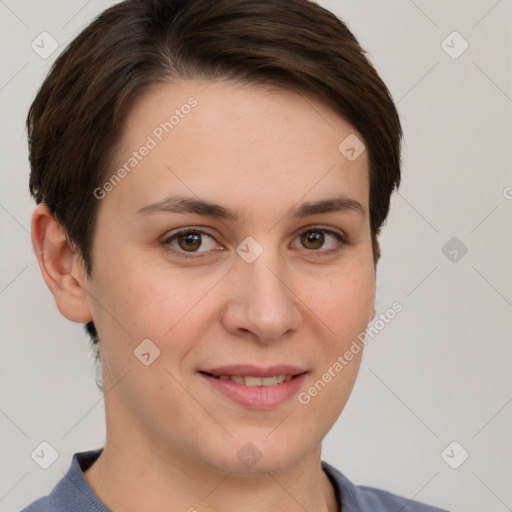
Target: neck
[[131, 478]]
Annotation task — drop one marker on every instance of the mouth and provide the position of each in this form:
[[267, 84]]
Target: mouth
[[251, 380], [255, 387]]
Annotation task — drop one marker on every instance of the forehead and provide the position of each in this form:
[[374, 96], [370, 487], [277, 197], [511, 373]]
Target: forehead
[[239, 143]]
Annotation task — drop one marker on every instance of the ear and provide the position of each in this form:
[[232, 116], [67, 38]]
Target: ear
[[61, 267], [372, 315]]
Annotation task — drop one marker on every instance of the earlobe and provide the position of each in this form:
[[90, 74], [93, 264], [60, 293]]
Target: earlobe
[[61, 267]]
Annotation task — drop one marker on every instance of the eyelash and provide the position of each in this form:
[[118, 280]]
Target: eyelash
[[340, 238]]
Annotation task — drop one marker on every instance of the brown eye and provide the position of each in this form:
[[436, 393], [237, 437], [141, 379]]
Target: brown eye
[[323, 241], [190, 241], [187, 242], [312, 239]]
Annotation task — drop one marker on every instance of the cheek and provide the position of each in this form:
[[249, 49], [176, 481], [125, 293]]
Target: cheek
[[149, 301], [344, 303], [343, 299], [344, 306]]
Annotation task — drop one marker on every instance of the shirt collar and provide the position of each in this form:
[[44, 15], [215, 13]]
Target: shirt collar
[[73, 491]]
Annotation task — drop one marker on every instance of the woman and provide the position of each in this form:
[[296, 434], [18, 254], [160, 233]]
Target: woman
[[211, 180]]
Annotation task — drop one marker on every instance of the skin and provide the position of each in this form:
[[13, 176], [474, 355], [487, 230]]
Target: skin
[[172, 439]]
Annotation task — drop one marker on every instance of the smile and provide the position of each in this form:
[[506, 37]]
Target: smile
[[255, 387], [250, 380]]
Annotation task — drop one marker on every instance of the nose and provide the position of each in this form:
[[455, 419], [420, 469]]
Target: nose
[[261, 300]]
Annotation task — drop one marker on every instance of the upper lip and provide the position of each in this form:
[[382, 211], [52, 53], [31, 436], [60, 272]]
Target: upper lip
[[255, 371]]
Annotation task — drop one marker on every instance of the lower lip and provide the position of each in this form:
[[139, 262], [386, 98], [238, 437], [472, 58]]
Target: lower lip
[[257, 397]]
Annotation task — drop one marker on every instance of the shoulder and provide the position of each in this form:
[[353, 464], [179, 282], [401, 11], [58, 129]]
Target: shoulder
[[361, 498], [385, 500], [72, 493], [44, 504]]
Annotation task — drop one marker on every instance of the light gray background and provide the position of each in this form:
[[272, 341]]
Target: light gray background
[[439, 372]]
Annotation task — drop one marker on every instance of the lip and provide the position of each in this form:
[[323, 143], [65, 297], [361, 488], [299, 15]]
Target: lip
[[257, 397], [256, 371]]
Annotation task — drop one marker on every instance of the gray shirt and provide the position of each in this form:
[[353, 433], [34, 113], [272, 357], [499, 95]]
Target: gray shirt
[[73, 494]]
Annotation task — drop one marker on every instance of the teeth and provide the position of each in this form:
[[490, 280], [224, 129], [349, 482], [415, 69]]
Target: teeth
[[251, 381]]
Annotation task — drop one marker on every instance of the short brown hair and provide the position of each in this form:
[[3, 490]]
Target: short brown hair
[[75, 121]]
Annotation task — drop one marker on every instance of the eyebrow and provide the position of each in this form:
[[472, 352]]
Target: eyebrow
[[179, 204]]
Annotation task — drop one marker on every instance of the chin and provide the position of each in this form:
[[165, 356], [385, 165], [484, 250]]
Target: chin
[[248, 454]]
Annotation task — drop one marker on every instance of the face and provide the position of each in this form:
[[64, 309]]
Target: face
[[233, 253]]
